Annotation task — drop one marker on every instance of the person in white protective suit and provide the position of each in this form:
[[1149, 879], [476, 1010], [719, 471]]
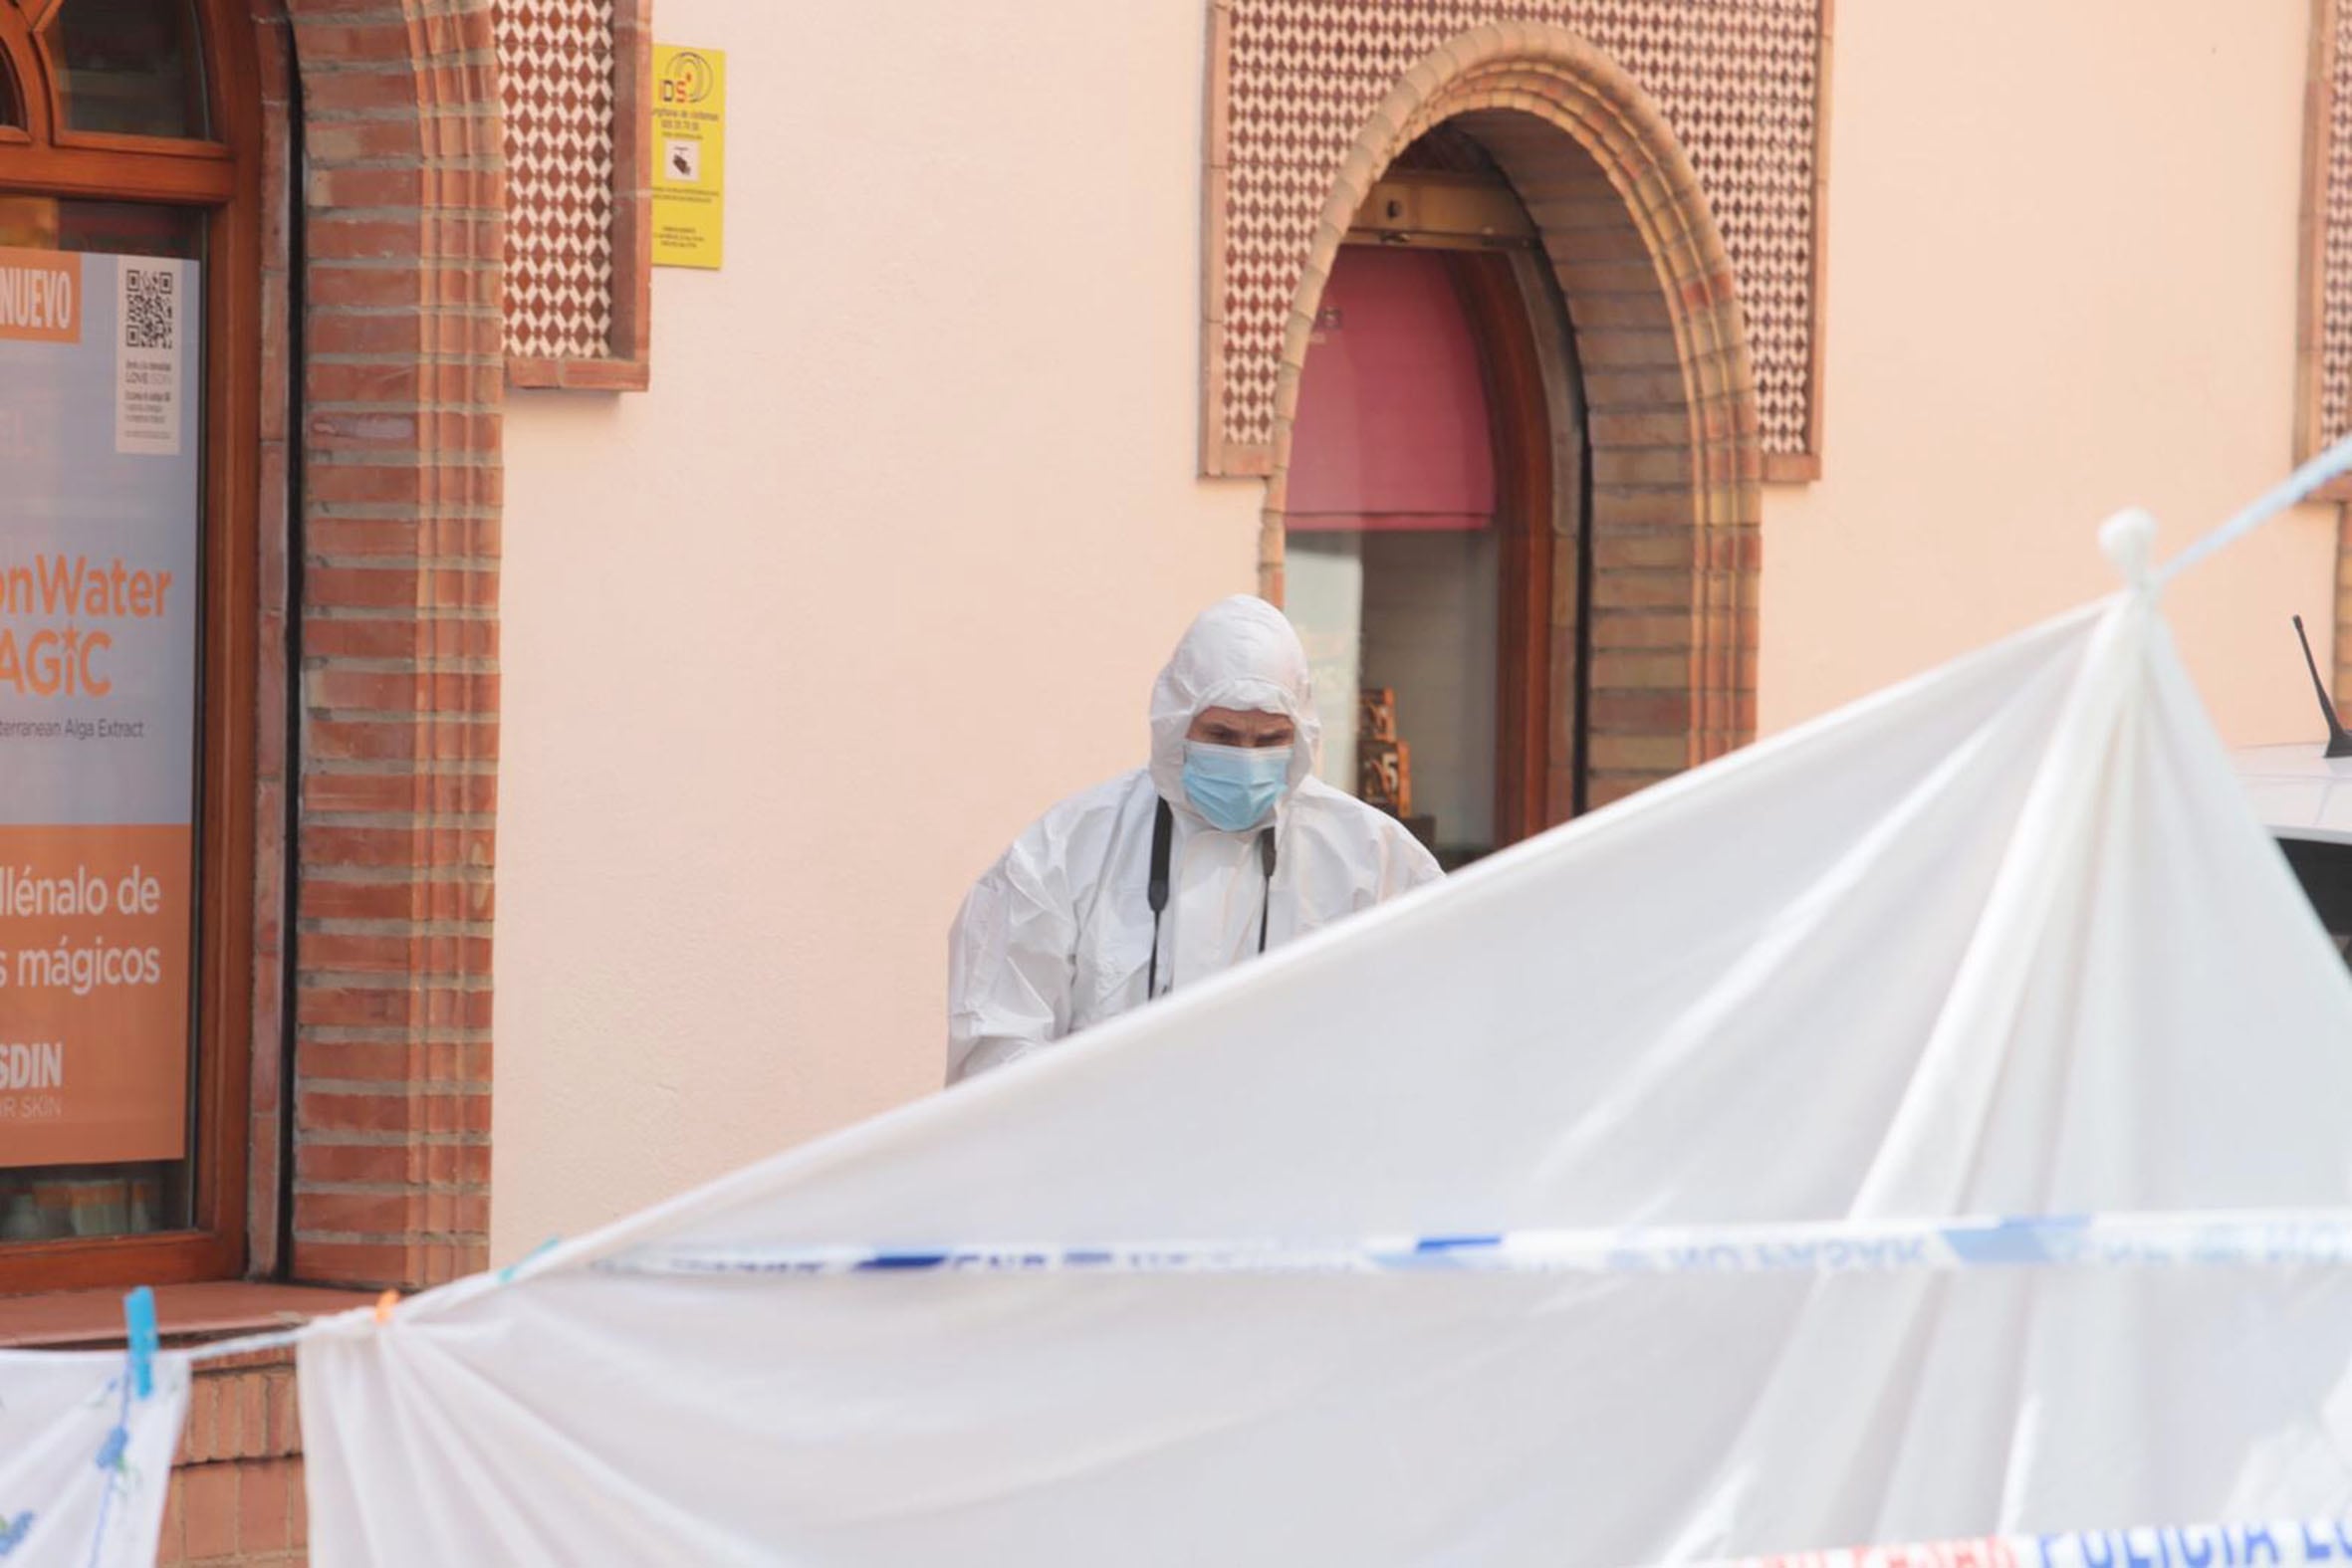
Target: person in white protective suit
[[1222, 848]]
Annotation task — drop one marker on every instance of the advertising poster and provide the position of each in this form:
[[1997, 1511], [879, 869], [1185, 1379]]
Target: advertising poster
[[689, 155], [100, 446]]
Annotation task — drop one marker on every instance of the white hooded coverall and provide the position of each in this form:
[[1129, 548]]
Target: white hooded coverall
[[1058, 934]]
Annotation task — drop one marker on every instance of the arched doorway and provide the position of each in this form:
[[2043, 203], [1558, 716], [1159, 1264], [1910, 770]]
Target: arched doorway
[[1636, 639], [1435, 500]]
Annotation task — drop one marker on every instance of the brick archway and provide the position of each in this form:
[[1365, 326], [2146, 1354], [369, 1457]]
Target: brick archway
[[1671, 397]]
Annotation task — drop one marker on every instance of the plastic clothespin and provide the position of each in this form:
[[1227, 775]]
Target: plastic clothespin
[[383, 1307], [138, 1315]]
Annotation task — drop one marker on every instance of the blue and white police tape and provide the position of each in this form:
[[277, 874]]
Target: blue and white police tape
[[2242, 1238], [2289, 1543]]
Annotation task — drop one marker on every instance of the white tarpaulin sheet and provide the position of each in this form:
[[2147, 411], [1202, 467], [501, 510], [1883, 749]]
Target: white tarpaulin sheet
[[2004, 941], [85, 1462]]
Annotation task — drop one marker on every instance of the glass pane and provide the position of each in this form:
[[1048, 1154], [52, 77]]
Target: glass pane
[[1393, 559], [100, 616], [1400, 624], [2325, 871], [11, 108], [130, 67]]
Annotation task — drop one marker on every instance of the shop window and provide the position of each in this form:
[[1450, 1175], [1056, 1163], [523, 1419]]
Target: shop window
[[128, 379], [128, 67], [1419, 527], [1394, 565]]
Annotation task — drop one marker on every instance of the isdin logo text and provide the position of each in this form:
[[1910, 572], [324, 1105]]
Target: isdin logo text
[[689, 79]]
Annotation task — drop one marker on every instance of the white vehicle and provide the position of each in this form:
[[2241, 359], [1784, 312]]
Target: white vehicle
[[2303, 795]]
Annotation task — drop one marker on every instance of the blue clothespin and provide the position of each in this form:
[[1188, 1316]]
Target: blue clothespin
[[138, 1311], [506, 1275]]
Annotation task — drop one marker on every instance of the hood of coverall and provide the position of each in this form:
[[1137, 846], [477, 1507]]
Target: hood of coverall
[[1241, 652]]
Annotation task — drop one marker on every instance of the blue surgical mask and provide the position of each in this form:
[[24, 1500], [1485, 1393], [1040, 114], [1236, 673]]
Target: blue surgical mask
[[1235, 786]]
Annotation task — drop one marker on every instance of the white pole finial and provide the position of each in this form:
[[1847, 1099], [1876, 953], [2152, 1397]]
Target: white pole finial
[[2129, 541]]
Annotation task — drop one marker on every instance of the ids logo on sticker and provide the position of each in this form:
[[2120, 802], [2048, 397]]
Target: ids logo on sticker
[[688, 78]]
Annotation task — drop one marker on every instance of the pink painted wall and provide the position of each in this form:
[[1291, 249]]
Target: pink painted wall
[[886, 559], [884, 563], [2061, 282]]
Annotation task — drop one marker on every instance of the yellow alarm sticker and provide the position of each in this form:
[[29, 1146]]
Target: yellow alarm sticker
[[689, 144]]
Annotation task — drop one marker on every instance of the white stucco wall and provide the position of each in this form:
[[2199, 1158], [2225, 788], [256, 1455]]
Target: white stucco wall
[[884, 562], [887, 558]]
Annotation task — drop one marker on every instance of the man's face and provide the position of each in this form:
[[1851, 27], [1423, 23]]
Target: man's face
[[1243, 726]]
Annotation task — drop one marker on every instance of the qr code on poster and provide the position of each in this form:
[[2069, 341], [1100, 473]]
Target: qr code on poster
[[150, 309]]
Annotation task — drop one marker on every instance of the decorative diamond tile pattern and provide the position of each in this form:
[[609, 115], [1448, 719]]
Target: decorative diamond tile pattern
[[1737, 80], [555, 60], [2335, 308]]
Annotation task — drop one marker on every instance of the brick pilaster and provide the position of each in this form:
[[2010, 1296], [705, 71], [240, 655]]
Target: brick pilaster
[[399, 742]]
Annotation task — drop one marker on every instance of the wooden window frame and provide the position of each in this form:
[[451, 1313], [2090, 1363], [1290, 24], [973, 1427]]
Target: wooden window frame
[[223, 176], [1532, 727]]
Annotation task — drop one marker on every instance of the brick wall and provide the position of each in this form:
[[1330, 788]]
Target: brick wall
[[236, 1485], [398, 743]]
